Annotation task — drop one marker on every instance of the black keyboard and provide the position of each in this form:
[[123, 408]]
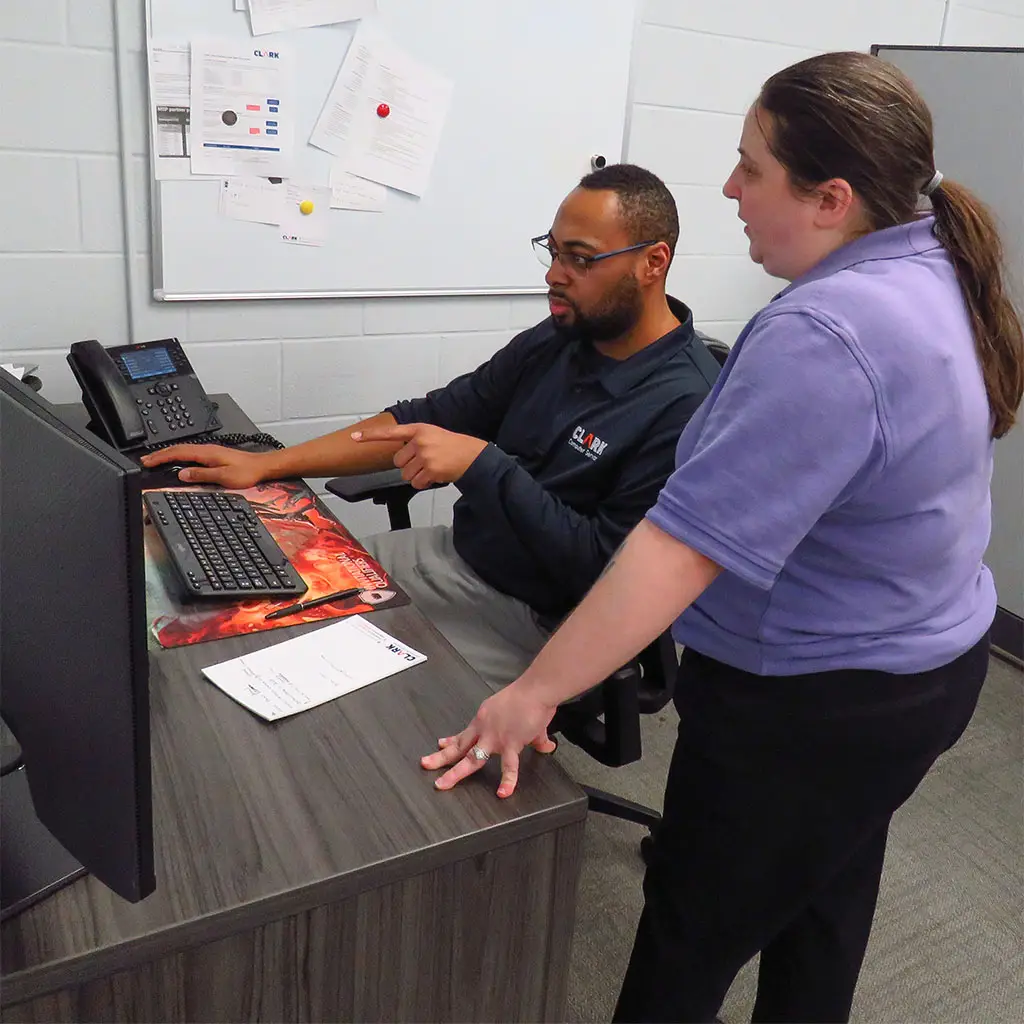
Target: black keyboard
[[219, 547]]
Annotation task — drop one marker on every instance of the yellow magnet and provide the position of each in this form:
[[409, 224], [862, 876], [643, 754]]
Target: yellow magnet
[[306, 206]]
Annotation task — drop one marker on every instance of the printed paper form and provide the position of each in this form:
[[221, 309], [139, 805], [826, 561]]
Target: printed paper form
[[281, 15], [349, 192], [170, 104], [242, 110], [258, 200], [298, 228], [349, 94], [384, 115], [313, 668]]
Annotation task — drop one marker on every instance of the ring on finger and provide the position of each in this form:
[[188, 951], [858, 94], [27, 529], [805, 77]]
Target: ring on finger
[[479, 754]]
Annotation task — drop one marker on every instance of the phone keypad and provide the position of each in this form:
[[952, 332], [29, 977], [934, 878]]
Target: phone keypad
[[175, 412], [167, 412]]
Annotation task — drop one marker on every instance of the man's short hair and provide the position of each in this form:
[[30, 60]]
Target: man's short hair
[[648, 208]]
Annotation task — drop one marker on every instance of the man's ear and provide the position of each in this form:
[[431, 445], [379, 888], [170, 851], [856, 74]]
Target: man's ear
[[836, 200], [658, 260]]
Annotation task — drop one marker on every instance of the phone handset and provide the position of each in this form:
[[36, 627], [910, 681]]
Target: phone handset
[[106, 396]]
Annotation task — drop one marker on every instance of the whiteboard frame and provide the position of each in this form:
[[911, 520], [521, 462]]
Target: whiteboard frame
[[161, 294]]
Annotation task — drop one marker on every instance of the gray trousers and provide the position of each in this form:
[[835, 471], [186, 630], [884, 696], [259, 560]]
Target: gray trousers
[[498, 635]]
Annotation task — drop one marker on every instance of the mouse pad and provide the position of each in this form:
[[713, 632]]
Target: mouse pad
[[320, 549]]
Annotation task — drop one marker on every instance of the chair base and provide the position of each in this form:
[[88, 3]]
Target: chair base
[[601, 802], [619, 807]]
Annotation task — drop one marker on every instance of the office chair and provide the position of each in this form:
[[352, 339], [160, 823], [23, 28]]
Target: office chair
[[604, 721]]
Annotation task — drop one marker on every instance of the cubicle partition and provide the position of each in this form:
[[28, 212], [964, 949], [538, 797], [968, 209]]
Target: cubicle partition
[[976, 95]]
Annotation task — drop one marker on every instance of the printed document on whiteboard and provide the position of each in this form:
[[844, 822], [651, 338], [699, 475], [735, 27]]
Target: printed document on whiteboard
[[281, 15], [378, 78], [298, 228], [313, 668], [258, 200], [169, 112], [242, 109], [349, 192]]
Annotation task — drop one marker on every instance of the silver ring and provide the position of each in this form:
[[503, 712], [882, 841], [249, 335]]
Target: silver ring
[[479, 754]]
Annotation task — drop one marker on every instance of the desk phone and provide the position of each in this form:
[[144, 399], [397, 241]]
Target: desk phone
[[142, 395]]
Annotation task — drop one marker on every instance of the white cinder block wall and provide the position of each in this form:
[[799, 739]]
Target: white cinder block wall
[[303, 368]]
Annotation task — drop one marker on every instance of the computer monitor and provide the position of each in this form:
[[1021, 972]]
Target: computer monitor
[[74, 670]]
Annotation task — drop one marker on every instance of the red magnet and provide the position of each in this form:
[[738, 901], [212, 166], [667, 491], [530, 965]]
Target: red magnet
[[383, 110]]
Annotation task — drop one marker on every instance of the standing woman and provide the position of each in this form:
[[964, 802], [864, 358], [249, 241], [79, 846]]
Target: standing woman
[[819, 549]]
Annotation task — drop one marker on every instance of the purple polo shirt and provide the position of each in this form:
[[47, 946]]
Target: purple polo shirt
[[839, 472]]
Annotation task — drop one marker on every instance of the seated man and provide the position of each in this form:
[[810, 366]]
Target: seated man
[[559, 443]]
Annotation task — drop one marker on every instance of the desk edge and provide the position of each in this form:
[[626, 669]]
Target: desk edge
[[44, 979]]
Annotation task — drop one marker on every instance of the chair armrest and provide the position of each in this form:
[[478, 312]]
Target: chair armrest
[[367, 485], [385, 487], [605, 721]]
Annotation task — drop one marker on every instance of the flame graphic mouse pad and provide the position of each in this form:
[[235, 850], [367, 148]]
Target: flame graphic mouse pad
[[322, 551]]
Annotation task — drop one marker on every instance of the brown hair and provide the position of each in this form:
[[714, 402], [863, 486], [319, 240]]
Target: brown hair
[[852, 116]]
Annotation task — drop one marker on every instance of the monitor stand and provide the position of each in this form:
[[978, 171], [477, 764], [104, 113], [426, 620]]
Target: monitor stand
[[32, 863]]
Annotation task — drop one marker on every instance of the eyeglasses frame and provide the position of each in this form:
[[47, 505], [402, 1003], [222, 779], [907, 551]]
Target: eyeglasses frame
[[544, 242]]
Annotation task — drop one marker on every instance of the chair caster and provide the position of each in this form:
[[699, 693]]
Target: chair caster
[[647, 849]]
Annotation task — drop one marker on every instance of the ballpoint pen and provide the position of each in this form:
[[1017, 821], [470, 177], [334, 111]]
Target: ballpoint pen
[[291, 609]]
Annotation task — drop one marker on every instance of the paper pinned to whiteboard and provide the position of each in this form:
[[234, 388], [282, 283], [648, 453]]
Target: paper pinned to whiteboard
[[385, 113], [350, 192], [257, 200], [242, 109], [283, 15], [305, 228], [170, 111]]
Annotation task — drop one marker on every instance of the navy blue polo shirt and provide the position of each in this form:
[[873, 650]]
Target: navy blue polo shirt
[[579, 447]]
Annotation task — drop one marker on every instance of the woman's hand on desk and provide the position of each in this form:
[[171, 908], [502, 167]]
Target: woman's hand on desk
[[506, 723], [228, 467]]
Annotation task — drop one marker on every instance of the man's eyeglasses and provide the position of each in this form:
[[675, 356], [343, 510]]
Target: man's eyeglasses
[[576, 262]]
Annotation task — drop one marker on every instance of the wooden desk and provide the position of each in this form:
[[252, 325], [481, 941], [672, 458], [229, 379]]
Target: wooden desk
[[307, 869]]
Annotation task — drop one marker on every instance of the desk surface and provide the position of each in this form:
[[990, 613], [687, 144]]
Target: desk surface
[[256, 820]]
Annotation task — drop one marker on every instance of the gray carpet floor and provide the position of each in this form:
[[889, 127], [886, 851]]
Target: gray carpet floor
[[947, 943]]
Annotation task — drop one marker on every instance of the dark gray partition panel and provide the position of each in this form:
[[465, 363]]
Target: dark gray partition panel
[[976, 95]]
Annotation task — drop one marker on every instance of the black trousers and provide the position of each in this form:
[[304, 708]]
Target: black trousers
[[777, 809]]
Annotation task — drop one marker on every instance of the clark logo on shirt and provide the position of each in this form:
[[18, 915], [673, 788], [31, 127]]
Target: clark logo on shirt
[[589, 444]]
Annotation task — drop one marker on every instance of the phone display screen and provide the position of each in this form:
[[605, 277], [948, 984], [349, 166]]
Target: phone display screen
[[148, 362]]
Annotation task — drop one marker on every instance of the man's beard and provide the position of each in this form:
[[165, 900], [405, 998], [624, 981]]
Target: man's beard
[[616, 315]]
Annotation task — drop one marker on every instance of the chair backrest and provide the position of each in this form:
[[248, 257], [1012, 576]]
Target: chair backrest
[[717, 348], [605, 722]]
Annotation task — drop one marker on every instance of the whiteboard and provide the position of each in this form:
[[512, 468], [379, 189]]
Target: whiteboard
[[539, 88]]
